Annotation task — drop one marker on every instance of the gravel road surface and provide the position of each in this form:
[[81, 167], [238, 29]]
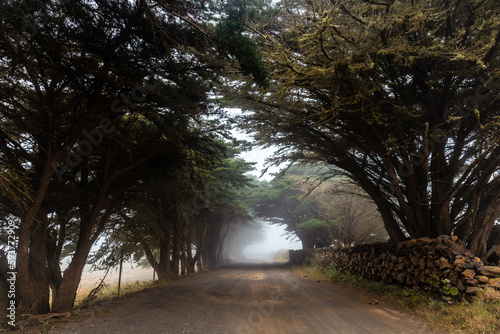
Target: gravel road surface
[[244, 299]]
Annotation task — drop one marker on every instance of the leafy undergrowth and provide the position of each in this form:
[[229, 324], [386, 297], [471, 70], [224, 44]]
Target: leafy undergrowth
[[480, 315]]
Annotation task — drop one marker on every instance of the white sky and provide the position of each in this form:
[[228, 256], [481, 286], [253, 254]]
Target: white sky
[[257, 154]]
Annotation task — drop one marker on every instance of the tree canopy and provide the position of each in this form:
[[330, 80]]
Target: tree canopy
[[94, 97], [401, 96]]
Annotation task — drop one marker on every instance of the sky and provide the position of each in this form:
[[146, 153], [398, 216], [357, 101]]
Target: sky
[[258, 154]]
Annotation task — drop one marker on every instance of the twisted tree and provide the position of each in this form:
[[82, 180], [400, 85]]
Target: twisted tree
[[402, 96]]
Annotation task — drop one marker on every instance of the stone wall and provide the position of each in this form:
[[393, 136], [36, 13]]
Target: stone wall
[[415, 262]]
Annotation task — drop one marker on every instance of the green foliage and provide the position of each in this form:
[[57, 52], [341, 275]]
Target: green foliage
[[312, 223], [447, 291], [332, 273], [249, 10], [237, 38], [232, 41], [400, 97]]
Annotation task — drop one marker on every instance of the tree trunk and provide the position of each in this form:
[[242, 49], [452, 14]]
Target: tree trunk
[[28, 299], [478, 245], [39, 274], [306, 238], [90, 230], [175, 249], [64, 298], [149, 254], [164, 263], [183, 259], [54, 249], [196, 259], [189, 252], [209, 251]]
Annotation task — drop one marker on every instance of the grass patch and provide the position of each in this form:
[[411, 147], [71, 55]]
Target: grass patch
[[110, 292], [480, 315]]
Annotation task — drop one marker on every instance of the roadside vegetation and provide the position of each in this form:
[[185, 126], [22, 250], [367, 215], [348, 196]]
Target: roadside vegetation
[[479, 315], [111, 291]]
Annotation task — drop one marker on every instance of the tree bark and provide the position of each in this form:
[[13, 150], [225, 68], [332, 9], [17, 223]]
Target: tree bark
[[91, 226], [478, 244], [164, 269], [175, 249], [196, 259], [54, 248], [64, 298], [26, 298], [306, 238], [39, 274]]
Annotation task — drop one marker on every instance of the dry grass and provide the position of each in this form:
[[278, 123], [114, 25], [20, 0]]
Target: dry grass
[[110, 292]]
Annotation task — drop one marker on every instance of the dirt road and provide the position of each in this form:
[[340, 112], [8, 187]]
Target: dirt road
[[245, 299]]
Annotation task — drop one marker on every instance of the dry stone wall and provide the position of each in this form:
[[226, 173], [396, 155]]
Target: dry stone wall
[[416, 262]]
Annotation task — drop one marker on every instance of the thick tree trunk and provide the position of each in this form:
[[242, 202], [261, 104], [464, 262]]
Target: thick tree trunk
[[25, 296], [189, 253], [90, 230], [39, 274], [64, 297], [28, 299], [478, 245], [209, 252], [306, 238], [184, 260]]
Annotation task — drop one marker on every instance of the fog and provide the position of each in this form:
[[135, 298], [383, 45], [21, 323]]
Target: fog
[[273, 246], [271, 239]]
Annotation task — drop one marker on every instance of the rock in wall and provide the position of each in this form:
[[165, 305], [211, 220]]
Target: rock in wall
[[416, 262]]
